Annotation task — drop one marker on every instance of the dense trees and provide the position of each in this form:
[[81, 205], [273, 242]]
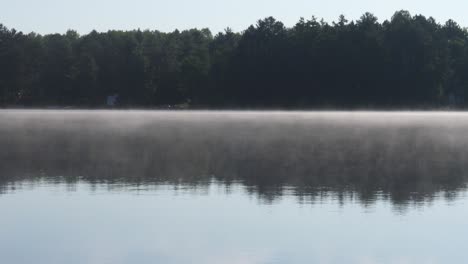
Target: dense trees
[[407, 61]]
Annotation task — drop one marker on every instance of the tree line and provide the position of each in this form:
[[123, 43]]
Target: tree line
[[407, 61]]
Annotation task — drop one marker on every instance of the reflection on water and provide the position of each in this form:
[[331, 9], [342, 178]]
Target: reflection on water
[[232, 187], [405, 157], [55, 223]]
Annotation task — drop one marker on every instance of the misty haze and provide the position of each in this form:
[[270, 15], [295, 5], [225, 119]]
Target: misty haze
[[241, 185]]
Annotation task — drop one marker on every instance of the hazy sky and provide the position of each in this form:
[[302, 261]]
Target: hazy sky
[[50, 16]]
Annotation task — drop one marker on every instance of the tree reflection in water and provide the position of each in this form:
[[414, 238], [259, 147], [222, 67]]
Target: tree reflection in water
[[405, 157]]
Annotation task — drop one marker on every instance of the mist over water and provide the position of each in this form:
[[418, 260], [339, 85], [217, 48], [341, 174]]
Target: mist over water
[[406, 157], [232, 187]]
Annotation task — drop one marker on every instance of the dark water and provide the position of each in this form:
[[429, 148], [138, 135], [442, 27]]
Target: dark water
[[233, 187]]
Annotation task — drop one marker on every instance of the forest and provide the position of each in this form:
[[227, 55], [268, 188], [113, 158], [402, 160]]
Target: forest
[[409, 61]]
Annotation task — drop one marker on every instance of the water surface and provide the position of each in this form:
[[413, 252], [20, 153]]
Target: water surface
[[233, 187]]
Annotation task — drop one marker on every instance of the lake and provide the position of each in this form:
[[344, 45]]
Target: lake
[[127, 186]]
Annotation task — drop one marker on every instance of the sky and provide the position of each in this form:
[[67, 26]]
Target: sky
[[57, 16]]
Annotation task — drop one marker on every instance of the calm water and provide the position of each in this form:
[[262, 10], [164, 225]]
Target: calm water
[[233, 187]]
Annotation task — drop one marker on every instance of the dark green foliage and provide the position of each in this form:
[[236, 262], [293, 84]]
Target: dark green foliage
[[408, 61]]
